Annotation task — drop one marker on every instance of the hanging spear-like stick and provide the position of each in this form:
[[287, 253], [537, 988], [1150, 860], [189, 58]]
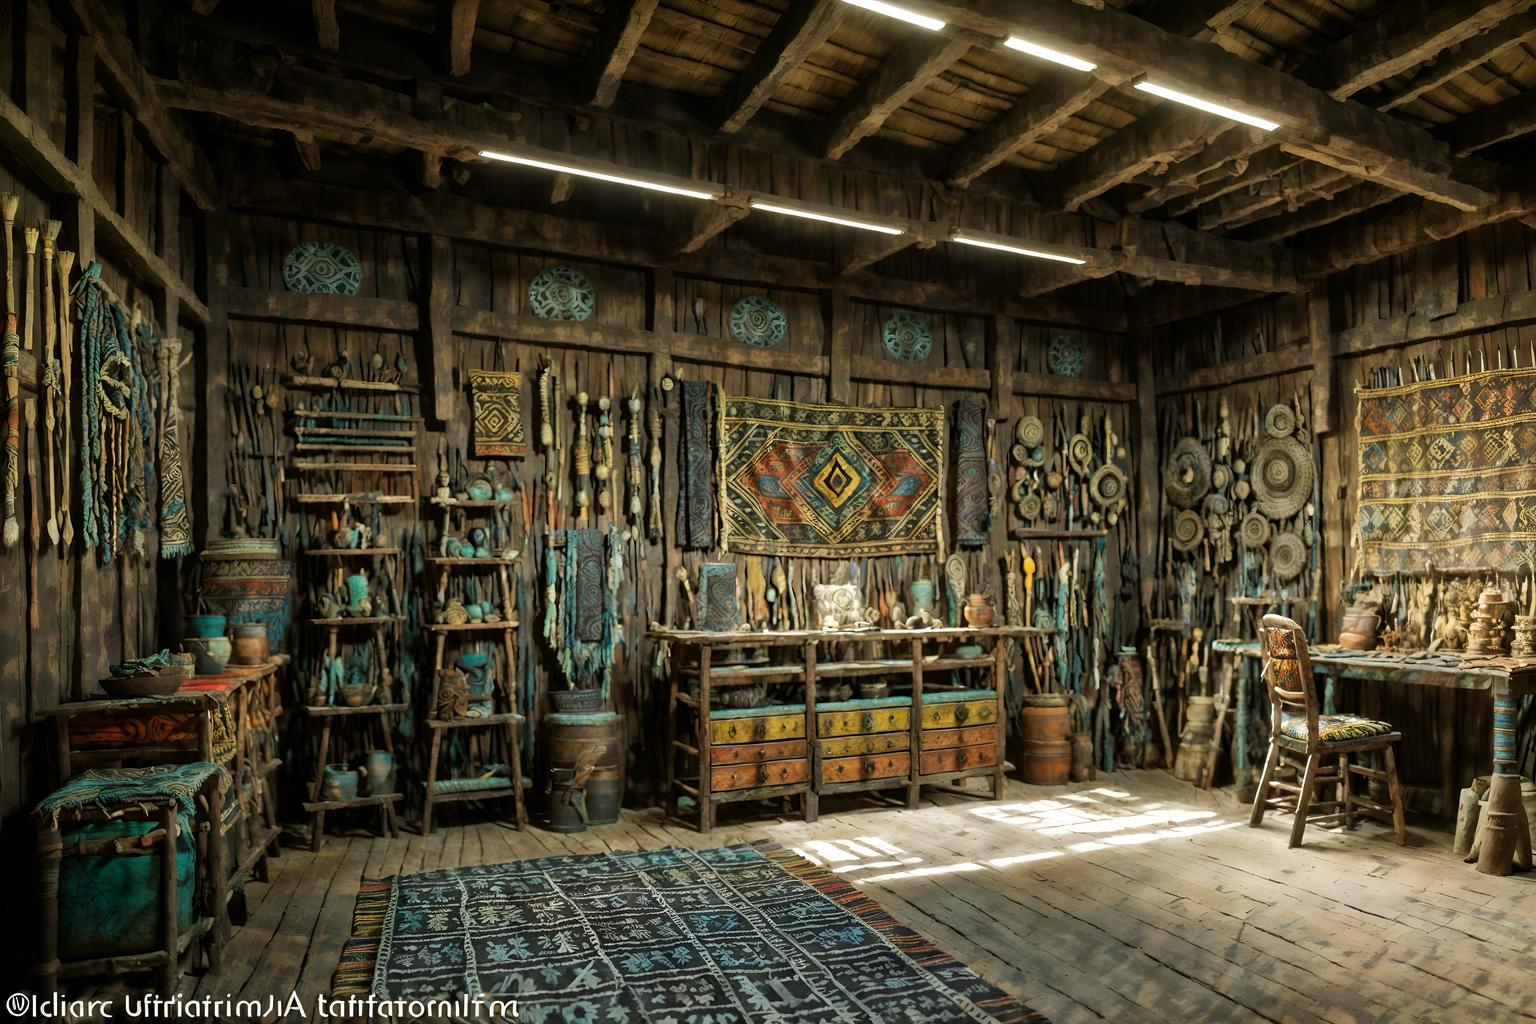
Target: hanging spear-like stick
[[9, 203], [634, 473], [581, 455], [10, 358], [30, 234], [66, 262], [602, 468], [655, 460], [50, 336]]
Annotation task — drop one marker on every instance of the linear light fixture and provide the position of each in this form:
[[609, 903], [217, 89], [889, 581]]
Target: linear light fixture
[[1046, 53], [1263, 124], [847, 222], [900, 13], [694, 190], [1017, 250]]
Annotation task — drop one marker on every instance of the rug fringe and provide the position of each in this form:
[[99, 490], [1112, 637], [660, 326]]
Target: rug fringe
[[354, 974]]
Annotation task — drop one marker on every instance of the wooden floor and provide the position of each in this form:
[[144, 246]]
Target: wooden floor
[[1133, 898]]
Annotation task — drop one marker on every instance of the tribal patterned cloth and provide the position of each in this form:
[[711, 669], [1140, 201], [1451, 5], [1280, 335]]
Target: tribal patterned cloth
[[496, 397], [970, 472], [582, 620], [749, 934], [696, 493], [830, 481], [129, 787], [1446, 474], [717, 597], [175, 518]]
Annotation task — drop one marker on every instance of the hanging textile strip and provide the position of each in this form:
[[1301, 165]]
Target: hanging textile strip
[[1445, 473], [970, 473], [175, 522], [11, 361], [717, 597], [584, 633], [830, 481], [94, 324], [496, 397], [696, 495], [140, 512]]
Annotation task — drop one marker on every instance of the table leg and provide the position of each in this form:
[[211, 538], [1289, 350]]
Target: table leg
[[1506, 713]]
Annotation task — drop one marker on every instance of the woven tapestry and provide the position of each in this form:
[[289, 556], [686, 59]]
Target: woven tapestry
[[696, 490], [747, 934], [717, 597], [970, 472], [497, 400], [1446, 473], [830, 481]]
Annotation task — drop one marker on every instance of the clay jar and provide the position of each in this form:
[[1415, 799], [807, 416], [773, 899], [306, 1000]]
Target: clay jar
[[212, 653], [922, 594], [250, 645], [340, 783], [978, 613]]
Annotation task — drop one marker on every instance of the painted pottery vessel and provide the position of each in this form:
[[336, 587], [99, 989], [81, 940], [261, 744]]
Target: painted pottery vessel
[[357, 695], [378, 768], [339, 783], [212, 653], [978, 612], [203, 625], [249, 644], [452, 694], [922, 594], [248, 580], [358, 602]]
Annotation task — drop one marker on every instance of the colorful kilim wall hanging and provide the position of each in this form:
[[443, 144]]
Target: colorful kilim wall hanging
[[971, 472], [717, 597], [497, 399], [830, 481], [1445, 473], [696, 494]]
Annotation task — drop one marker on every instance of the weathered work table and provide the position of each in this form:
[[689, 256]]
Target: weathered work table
[[935, 734], [1507, 679]]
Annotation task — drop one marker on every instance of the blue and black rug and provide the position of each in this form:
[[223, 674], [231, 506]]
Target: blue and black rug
[[751, 933]]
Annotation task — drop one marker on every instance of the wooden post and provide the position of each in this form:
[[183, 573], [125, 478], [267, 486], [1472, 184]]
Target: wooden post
[[809, 801], [439, 324], [1147, 476], [213, 371], [1324, 416], [839, 345]]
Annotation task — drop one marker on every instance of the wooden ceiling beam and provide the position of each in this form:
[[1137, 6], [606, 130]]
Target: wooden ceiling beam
[[327, 28], [1199, 19], [1162, 137], [1487, 126], [618, 37], [1356, 199], [710, 221], [1261, 167], [1298, 185], [1351, 137], [1408, 34], [914, 63], [1040, 113], [1462, 58], [795, 36], [1222, 159], [456, 34]]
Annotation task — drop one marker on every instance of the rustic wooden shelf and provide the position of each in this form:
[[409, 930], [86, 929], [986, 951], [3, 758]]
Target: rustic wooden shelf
[[335, 710], [311, 806], [316, 466], [449, 562], [307, 382], [1043, 534], [486, 792], [500, 718], [474, 502], [350, 552], [353, 499], [358, 620], [467, 627]]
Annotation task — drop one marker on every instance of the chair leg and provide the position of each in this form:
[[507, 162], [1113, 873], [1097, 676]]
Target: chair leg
[[1304, 799], [1344, 792], [1262, 795], [1396, 792]]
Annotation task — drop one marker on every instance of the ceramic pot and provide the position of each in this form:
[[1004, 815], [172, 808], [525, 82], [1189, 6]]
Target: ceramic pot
[[203, 625], [922, 594], [212, 653], [480, 489], [339, 783], [247, 579], [978, 613], [378, 769], [357, 695], [357, 594], [249, 645], [476, 668]]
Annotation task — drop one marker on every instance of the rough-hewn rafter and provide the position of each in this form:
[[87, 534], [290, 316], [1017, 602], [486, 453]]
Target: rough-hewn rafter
[[1499, 122], [1358, 199], [797, 33], [1461, 59], [914, 63], [327, 29], [1043, 111], [1298, 185], [618, 37], [456, 33], [710, 221], [1199, 19], [1158, 139]]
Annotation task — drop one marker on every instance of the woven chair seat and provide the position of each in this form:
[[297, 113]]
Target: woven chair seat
[[1335, 728]]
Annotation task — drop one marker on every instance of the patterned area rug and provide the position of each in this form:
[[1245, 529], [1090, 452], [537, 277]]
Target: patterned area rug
[[737, 934], [828, 481], [1445, 473]]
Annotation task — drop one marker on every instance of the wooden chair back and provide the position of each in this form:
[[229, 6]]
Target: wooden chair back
[[1288, 675]]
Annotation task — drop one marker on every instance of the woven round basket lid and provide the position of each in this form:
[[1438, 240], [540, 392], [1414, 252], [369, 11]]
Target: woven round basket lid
[[1216, 504], [1107, 485], [1287, 556], [1018, 453], [1280, 420], [1221, 476], [1253, 531], [1187, 476], [1282, 477], [1080, 453], [1029, 507], [1029, 431], [1188, 531]]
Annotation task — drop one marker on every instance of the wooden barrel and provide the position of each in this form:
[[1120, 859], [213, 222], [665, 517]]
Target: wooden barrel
[[568, 736], [1046, 730]]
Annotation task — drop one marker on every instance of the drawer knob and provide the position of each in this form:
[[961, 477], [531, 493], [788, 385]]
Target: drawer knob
[[867, 722], [760, 730], [962, 713]]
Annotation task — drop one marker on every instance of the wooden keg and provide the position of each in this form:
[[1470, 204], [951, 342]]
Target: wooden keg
[[1046, 726], [598, 736]]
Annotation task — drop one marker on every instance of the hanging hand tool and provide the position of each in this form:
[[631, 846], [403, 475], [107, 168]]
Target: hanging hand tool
[[30, 235], [581, 456], [655, 460], [634, 473], [53, 369], [10, 357], [602, 468], [66, 262], [33, 532], [9, 202]]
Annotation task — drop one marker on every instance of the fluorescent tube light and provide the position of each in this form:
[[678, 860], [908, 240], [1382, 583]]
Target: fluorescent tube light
[[1046, 53], [1207, 106], [900, 13], [1017, 250], [790, 211], [619, 179]]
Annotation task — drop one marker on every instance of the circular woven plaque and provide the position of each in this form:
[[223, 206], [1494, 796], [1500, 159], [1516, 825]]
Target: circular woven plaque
[[906, 338], [1287, 557], [1187, 476], [1280, 421], [1107, 485], [1065, 356], [562, 293], [1080, 453], [1282, 477], [1029, 431], [322, 268], [758, 321], [1188, 531], [1029, 507], [1253, 531]]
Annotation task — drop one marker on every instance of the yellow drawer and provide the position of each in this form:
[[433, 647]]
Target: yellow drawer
[[875, 743], [856, 723], [759, 729], [958, 713]]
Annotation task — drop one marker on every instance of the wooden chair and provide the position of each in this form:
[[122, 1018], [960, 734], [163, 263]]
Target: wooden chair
[[1318, 748]]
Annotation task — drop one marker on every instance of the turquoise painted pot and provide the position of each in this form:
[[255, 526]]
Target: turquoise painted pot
[[203, 625], [379, 769], [212, 653], [340, 783], [357, 592], [922, 596]]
